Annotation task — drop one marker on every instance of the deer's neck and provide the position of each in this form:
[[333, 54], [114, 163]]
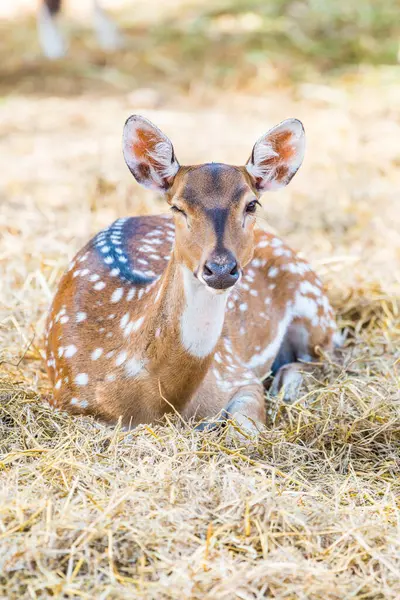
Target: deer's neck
[[202, 316], [188, 323]]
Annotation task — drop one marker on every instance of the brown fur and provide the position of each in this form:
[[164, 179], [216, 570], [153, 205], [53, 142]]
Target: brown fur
[[174, 374], [123, 347]]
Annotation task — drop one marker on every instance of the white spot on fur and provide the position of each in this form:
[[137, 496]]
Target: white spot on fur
[[305, 307], [137, 324], [133, 367], [96, 353], [308, 288], [70, 351], [82, 379], [100, 285], [273, 272], [121, 358], [124, 321], [117, 295], [256, 263]]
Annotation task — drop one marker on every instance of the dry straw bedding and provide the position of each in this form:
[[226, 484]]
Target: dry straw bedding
[[312, 509]]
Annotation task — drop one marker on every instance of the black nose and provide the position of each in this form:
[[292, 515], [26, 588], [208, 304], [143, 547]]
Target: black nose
[[221, 273]]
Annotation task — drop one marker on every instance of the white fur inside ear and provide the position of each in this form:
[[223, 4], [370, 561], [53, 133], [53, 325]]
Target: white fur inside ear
[[157, 155], [163, 156], [261, 167]]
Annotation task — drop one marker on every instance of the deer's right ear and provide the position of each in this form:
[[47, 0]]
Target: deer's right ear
[[149, 154]]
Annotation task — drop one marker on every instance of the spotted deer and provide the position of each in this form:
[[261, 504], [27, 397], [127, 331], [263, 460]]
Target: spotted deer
[[51, 39], [188, 312]]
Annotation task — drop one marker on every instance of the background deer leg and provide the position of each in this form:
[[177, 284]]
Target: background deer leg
[[107, 32], [50, 37]]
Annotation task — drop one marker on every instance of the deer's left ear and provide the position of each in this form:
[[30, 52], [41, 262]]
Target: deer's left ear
[[277, 156], [149, 154]]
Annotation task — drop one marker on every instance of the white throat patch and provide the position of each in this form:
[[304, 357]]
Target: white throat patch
[[203, 316]]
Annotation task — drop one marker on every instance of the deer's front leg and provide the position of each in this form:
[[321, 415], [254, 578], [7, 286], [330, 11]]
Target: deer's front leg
[[247, 409], [244, 405]]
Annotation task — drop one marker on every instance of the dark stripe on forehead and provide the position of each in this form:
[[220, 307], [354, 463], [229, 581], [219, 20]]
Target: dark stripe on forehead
[[214, 170], [212, 182], [218, 218]]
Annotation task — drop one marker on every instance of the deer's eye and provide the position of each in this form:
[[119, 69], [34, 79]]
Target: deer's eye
[[177, 210], [252, 206]]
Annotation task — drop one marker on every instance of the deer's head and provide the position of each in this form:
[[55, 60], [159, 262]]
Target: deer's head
[[214, 204]]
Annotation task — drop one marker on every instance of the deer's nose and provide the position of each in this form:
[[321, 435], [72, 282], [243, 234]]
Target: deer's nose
[[221, 273]]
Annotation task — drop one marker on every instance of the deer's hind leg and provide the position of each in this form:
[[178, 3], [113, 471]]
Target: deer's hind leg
[[298, 350]]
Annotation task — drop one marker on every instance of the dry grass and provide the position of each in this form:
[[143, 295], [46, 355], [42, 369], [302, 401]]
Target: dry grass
[[313, 510]]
